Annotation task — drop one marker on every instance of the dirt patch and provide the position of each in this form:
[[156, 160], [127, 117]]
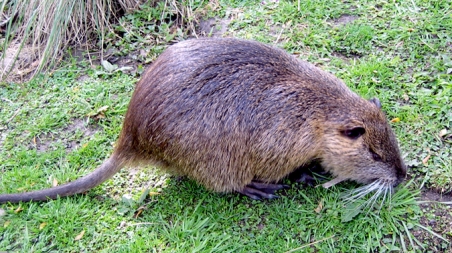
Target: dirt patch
[[344, 19], [437, 218], [213, 27], [435, 196], [345, 58], [44, 141], [80, 124]]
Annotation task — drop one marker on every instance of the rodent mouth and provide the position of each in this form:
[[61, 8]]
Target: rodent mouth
[[398, 181]]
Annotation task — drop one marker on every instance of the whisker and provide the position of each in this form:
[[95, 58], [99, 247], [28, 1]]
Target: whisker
[[371, 201], [360, 192], [382, 190], [387, 189], [388, 194]]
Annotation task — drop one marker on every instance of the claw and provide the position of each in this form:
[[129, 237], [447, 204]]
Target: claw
[[268, 188], [257, 191], [306, 178]]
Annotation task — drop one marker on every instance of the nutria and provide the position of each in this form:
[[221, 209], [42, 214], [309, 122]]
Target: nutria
[[238, 115]]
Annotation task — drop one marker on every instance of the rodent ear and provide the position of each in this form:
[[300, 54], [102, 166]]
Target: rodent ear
[[354, 133], [376, 102]]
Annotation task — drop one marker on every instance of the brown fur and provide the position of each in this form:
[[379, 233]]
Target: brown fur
[[225, 112]]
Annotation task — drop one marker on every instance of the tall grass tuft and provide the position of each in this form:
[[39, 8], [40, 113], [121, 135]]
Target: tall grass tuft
[[36, 33]]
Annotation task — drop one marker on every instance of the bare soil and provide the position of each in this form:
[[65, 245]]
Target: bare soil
[[44, 141], [437, 209], [344, 19], [214, 27]]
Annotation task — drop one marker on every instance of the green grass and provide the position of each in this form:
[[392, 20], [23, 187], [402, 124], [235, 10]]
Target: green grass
[[60, 126]]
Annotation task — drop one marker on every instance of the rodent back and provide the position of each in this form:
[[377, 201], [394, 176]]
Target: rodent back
[[224, 106]]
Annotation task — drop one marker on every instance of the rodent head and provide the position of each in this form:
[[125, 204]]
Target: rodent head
[[362, 147]]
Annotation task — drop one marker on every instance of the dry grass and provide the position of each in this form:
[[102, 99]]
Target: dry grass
[[36, 33]]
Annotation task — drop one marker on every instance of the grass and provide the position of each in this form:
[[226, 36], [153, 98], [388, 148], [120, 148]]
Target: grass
[[60, 126]]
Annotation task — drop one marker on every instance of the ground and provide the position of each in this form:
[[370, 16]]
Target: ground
[[63, 125]]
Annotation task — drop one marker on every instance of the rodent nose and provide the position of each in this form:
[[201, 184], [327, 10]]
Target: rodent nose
[[397, 182], [401, 175]]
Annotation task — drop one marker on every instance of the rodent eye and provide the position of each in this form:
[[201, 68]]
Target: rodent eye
[[375, 156], [354, 133]]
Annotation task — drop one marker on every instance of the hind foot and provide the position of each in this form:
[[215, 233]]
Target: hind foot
[[257, 191]]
